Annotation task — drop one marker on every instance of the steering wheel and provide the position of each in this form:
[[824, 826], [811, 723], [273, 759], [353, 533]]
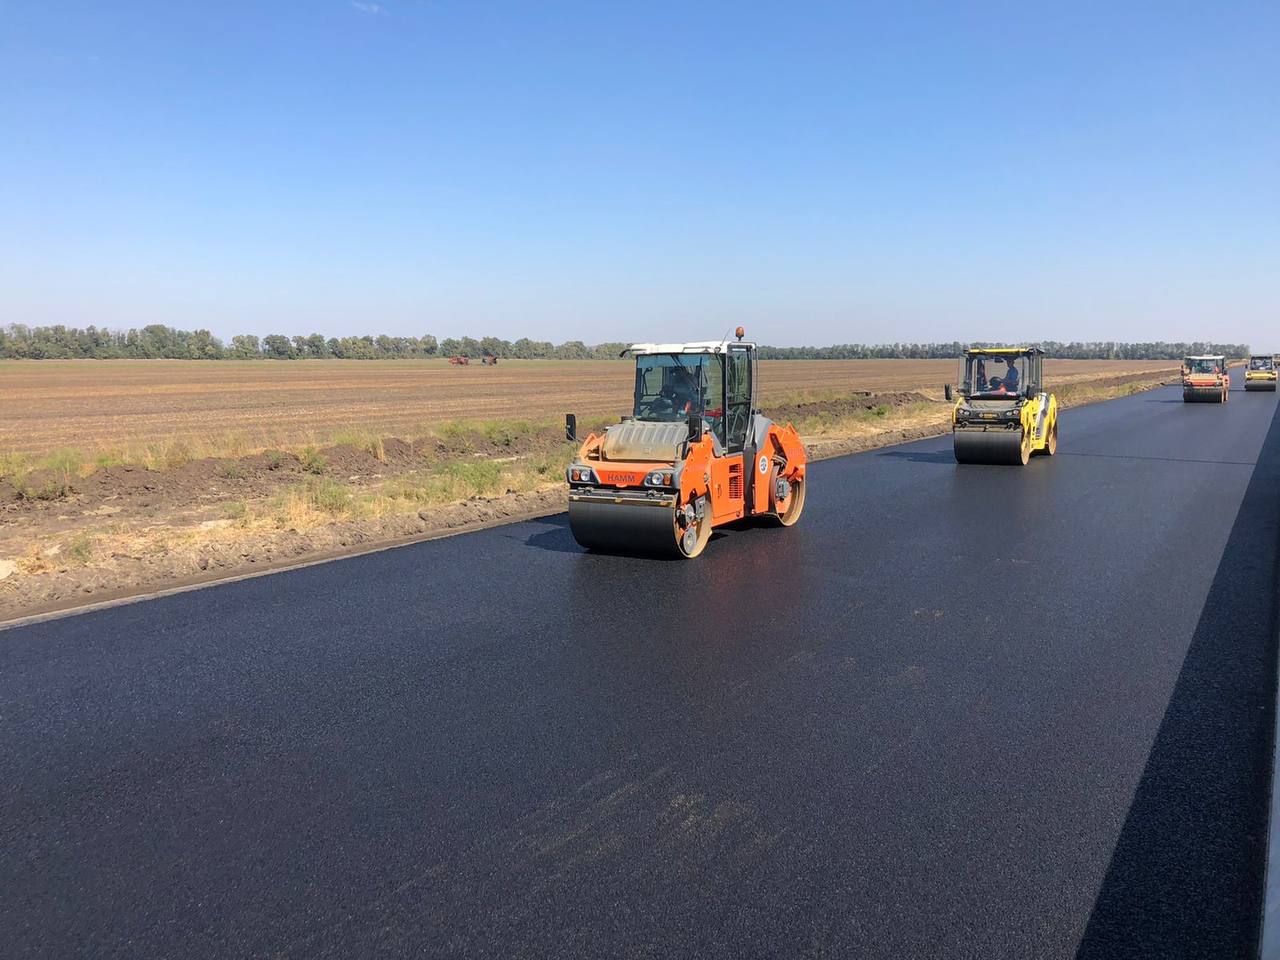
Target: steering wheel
[[664, 401]]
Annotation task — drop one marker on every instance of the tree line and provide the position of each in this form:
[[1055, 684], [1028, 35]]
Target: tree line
[[1075, 350], [157, 342], [18, 341]]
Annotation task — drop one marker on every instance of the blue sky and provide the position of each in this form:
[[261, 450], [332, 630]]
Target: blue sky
[[821, 172]]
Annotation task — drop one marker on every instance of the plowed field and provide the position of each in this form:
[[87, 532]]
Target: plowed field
[[100, 405]]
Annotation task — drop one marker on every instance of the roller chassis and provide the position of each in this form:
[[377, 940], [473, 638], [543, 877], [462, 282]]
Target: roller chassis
[[1206, 379], [1002, 426], [661, 487], [1263, 379]]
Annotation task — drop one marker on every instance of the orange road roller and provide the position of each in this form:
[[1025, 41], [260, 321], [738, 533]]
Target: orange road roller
[[694, 454], [1206, 379]]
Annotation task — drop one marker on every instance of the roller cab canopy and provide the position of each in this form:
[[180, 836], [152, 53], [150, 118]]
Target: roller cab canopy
[[697, 346]]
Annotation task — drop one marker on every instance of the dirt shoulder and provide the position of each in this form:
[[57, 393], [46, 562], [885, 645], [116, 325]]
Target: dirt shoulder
[[72, 536]]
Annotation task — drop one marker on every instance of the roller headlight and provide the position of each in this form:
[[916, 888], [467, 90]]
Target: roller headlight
[[580, 474], [659, 478]]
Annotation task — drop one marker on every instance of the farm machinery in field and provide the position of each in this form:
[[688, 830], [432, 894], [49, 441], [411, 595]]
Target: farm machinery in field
[[1003, 414], [1260, 374], [1205, 379], [694, 454]]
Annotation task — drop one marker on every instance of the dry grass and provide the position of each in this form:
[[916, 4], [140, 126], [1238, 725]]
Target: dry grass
[[878, 420], [43, 478], [320, 499]]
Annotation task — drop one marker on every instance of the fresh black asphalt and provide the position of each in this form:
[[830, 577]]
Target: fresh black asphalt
[[957, 711]]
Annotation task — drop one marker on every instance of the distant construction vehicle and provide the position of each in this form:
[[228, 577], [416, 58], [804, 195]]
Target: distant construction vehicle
[[694, 454], [459, 361], [1260, 374], [1206, 379], [1003, 415]]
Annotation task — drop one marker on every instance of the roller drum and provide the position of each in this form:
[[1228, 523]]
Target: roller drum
[[988, 446], [1265, 385], [1202, 394], [602, 524]]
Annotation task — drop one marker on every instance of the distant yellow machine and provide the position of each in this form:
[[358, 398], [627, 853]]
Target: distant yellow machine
[[1003, 413], [1260, 374]]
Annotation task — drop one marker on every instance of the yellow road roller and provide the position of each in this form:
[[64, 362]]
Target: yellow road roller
[[1003, 414], [1206, 379], [694, 454], [1260, 374]]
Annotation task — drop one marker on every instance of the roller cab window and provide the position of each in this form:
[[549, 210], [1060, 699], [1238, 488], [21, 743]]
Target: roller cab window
[[992, 376], [672, 387], [1261, 363], [676, 386], [1203, 366]]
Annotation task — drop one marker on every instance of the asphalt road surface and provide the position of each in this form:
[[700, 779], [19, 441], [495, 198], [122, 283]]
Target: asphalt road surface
[[957, 712]]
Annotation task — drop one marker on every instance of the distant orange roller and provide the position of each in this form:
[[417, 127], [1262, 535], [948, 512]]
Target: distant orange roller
[[1206, 379]]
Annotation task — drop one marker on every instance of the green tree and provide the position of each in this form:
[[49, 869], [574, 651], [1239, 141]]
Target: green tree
[[203, 345], [277, 347], [245, 346]]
